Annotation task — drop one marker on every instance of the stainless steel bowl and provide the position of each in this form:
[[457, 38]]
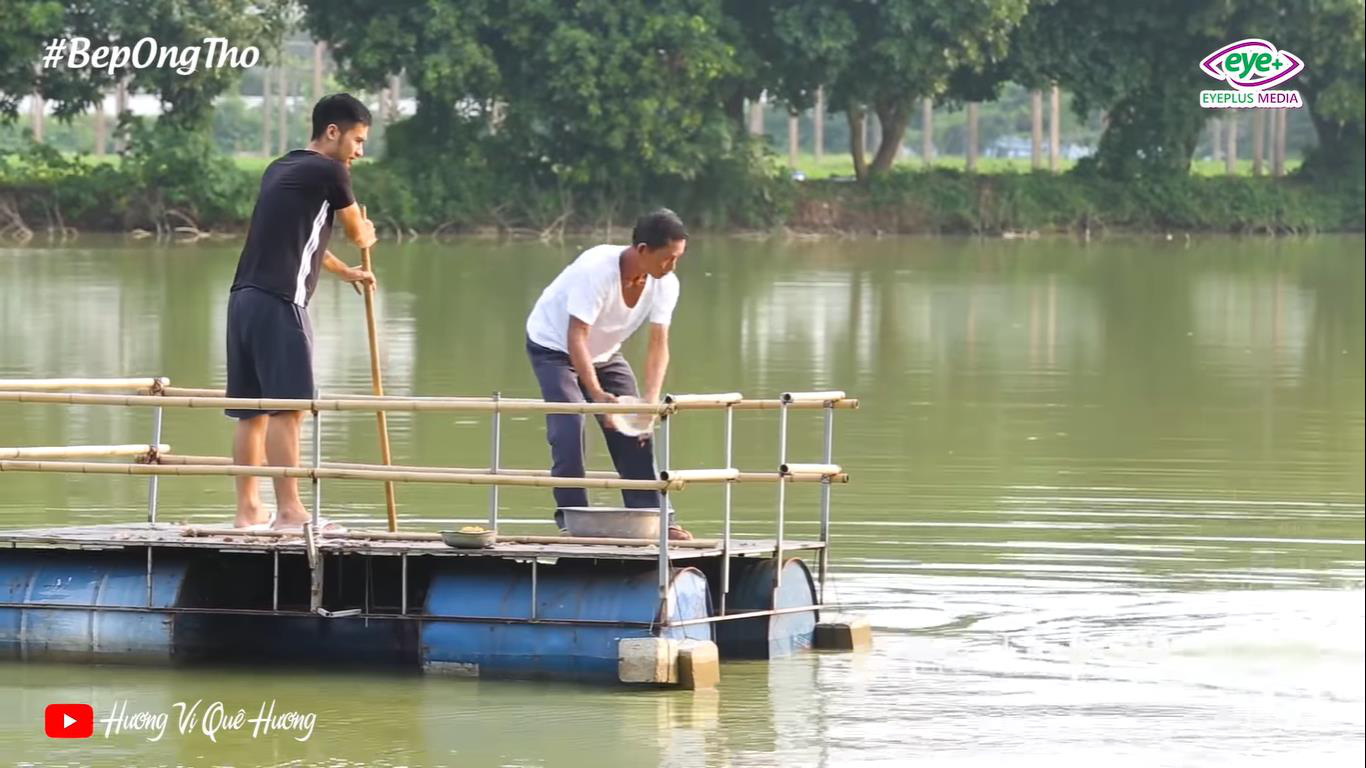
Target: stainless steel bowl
[[469, 540], [612, 522]]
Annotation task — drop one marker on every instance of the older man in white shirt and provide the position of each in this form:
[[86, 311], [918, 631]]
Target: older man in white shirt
[[574, 336]]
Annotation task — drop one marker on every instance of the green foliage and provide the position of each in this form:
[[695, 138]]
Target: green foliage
[[179, 171], [945, 201], [188, 100]]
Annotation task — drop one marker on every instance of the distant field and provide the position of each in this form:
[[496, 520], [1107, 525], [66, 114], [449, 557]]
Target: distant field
[[843, 165], [832, 165]]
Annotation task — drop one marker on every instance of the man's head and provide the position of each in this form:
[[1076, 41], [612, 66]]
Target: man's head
[[659, 238], [340, 126]]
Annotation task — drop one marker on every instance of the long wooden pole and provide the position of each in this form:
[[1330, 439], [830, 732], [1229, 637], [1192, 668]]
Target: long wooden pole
[[377, 385], [414, 404]]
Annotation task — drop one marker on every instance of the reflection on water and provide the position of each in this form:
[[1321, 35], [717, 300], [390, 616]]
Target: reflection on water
[[1107, 500]]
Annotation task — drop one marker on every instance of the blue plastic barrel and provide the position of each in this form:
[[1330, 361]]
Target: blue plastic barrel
[[47, 580], [602, 592], [751, 589]]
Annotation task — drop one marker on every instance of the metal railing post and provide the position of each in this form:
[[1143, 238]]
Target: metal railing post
[[493, 466], [726, 506], [782, 493], [152, 485], [828, 458], [317, 464], [664, 522]]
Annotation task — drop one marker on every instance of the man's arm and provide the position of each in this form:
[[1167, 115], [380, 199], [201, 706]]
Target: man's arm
[[350, 274], [656, 361], [583, 362], [359, 229]]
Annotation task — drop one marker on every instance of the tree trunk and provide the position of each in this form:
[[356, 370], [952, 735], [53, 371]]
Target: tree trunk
[[793, 140], [1055, 130], [1258, 140], [395, 93], [1035, 129], [818, 125], [927, 131], [101, 128], [266, 122], [1279, 151], [856, 114], [319, 48], [893, 121], [36, 109], [970, 151], [283, 110], [120, 106], [1216, 139], [756, 116], [1231, 146]]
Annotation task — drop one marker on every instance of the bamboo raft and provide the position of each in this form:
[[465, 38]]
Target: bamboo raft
[[746, 594]]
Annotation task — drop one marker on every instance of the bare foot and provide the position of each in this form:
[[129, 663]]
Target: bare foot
[[249, 514], [679, 533], [296, 523]]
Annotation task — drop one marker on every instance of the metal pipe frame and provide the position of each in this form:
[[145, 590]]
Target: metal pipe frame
[[828, 457], [495, 460], [664, 429], [726, 506], [152, 486], [317, 464], [746, 615], [535, 568], [782, 496], [340, 615]]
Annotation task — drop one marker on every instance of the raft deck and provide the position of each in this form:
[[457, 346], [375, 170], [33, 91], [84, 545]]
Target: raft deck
[[226, 539]]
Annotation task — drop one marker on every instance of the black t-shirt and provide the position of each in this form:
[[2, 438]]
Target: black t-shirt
[[291, 224]]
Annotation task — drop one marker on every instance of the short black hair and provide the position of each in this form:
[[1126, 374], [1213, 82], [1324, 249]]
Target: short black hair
[[658, 228], [343, 109]]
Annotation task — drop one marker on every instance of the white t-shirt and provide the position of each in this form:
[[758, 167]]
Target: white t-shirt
[[590, 289]]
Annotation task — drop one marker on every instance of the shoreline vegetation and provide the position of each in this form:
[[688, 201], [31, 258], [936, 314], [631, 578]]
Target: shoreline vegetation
[[45, 194], [561, 117]]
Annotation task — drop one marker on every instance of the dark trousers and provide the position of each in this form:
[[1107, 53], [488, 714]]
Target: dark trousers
[[632, 456]]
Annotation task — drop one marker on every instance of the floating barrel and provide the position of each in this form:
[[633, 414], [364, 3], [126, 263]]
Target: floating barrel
[[47, 580], [751, 589], [612, 600]]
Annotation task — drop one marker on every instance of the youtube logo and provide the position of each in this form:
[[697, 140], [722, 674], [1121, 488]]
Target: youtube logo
[[69, 721]]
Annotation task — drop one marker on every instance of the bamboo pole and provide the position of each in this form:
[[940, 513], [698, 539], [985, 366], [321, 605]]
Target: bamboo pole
[[420, 536], [309, 473], [81, 451], [739, 477], [700, 475], [812, 397], [810, 469], [377, 385], [372, 403], [150, 384], [702, 401]]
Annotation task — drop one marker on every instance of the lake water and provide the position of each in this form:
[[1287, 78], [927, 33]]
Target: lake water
[[1107, 499]]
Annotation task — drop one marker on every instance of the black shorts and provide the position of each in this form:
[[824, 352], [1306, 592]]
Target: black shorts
[[270, 349]]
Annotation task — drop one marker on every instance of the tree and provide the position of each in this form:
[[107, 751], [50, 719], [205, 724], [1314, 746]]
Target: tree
[[885, 56], [1139, 62], [1328, 35], [187, 99]]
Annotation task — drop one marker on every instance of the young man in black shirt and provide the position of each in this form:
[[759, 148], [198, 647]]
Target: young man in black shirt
[[270, 339]]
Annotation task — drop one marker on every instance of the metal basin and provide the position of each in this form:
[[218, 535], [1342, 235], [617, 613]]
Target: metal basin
[[612, 522]]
